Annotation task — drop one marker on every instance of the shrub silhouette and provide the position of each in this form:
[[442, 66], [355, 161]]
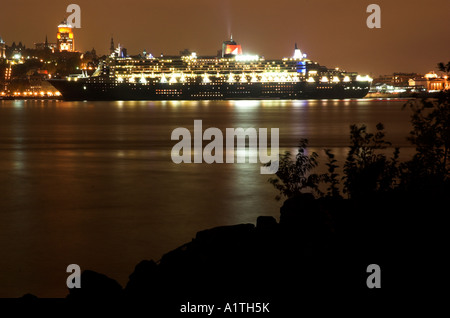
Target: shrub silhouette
[[367, 170], [444, 67], [293, 177], [429, 167], [331, 178]]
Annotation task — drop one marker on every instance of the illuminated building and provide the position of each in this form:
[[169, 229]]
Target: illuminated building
[[431, 82], [2, 49], [396, 79], [191, 76], [410, 83], [5, 76], [15, 52], [64, 38], [46, 45], [111, 46]]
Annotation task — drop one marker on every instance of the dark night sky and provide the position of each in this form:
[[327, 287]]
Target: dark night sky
[[413, 38]]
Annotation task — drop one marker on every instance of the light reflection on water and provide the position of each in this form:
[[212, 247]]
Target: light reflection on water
[[93, 183]]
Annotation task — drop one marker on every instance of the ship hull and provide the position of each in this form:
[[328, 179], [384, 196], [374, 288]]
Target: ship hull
[[83, 89]]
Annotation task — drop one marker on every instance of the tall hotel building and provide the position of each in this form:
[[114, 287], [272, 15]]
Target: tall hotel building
[[2, 49], [64, 38]]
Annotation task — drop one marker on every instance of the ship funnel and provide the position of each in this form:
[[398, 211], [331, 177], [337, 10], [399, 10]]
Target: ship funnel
[[297, 53]]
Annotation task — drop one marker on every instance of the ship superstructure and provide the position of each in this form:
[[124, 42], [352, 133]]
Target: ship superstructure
[[231, 75]]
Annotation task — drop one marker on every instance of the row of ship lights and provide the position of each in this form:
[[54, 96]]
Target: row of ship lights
[[269, 77], [266, 76]]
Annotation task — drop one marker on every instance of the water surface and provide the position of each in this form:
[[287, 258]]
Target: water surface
[[93, 183]]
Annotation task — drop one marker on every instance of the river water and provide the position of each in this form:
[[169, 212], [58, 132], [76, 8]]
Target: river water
[[93, 183]]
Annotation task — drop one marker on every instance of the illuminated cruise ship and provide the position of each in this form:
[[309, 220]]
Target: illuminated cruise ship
[[230, 75]]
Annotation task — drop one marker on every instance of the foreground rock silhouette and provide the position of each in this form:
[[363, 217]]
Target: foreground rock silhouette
[[318, 252]]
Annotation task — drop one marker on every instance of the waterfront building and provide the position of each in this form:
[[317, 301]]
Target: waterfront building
[[397, 79], [431, 81], [2, 49], [5, 75]]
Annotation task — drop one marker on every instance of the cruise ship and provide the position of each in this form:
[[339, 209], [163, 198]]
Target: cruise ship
[[229, 75]]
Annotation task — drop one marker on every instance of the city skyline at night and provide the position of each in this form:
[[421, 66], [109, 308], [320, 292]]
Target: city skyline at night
[[223, 156], [410, 38]]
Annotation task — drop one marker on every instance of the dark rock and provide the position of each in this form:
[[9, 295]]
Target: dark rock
[[224, 235], [143, 280], [175, 257], [306, 216], [266, 223], [95, 286], [214, 263], [290, 211], [29, 298]]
